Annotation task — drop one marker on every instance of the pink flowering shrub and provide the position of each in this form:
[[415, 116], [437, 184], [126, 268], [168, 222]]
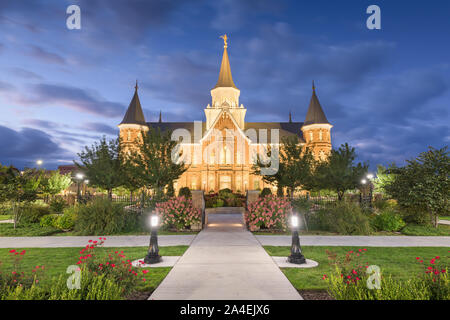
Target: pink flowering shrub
[[178, 212], [269, 212]]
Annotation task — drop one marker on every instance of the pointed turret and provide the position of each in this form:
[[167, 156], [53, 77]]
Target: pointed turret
[[225, 78], [134, 114], [315, 114], [160, 118]]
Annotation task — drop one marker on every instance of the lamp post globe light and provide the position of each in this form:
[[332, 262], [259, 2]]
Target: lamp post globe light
[[370, 177], [153, 250], [79, 177], [39, 163], [296, 251]]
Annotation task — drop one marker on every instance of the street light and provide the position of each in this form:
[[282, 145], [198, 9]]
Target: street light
[[296, 251], [370, 177], [153, 250], [79, 177], [39, 163]]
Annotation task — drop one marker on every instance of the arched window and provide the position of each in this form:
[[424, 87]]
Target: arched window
[[310, 136], [129, 135], [320, 135]]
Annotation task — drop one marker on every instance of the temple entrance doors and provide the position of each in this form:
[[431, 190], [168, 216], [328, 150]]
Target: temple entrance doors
[[225, 182]]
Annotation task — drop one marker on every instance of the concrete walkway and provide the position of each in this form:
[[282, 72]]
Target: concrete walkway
[[447, 222], [177, 240], [225, 261]]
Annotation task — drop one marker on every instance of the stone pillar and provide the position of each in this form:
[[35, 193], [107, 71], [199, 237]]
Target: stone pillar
[[198, 201], [252, 195]]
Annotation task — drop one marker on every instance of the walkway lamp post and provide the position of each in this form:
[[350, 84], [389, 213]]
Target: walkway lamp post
[[296, 251], [370, 177], [153, 250], [39, 163], [79, 177]]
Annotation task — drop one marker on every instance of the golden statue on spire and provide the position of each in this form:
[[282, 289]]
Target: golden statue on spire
[[224, 37]]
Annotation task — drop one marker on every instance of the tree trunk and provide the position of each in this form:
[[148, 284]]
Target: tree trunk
[[15, 214], [434, 219], [291, 193], [110, 194], [131, 196], [340, 195]]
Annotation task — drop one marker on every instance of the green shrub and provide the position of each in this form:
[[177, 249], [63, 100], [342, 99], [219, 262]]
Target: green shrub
[[92, 287], [185, 192], [32, 213], [388, 220], [225, 193], [48, 221], [102, 216], [342, 217], [265, 192], [57, 205], [390, 289], [219, 203], [65, 221]]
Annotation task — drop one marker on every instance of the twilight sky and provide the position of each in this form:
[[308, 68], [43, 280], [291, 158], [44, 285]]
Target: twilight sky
[[387, 92]]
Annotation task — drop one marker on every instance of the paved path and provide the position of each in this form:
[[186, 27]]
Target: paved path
[[359, 241], [174, 240], [111, 241], [444, 222], [225, 261]]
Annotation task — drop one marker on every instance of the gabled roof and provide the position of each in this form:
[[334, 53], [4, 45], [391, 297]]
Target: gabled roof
[[315, 112], [134, 114], [285, 128], [225, 78]]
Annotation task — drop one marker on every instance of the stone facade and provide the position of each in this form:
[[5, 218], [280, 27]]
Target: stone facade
[[221, 149]]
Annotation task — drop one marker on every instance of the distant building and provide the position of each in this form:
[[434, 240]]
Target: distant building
[[223, 148], [65, 169]]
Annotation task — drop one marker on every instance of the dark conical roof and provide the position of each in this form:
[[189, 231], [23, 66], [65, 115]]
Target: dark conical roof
[[134, 113], [315, 112]]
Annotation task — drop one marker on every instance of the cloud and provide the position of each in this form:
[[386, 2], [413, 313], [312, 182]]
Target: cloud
[[46, 56], [100, 127], [73, 98], [22, 148], [25, 74]]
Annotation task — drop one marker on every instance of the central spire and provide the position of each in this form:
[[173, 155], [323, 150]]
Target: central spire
[[225, 78]]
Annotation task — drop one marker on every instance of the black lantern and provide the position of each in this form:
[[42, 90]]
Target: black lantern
[[153, 250], [296, 251]]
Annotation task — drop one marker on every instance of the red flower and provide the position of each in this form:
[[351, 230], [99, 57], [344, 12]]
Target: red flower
[[432, 261], [437, 257], [22, 253], [443, 270], [146, 271], [417, 258], [12, 251], [90, 241]]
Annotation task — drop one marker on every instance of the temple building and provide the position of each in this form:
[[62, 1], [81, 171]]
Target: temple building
[[220, 151]]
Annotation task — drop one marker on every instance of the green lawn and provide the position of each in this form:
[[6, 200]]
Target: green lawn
[[5, 217], [399, 262], [56, 261], [442, 218]]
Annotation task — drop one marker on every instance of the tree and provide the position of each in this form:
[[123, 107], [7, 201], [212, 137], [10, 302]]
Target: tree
[[338, 172], [18, 186], [151, 164], [295, 167], [55, 183], [102, 164], [382, 179], [423, 184]]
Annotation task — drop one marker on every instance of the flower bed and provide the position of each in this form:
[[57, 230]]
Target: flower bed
[[178, 213], [101, 277], [355, 279], [270, 212]]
